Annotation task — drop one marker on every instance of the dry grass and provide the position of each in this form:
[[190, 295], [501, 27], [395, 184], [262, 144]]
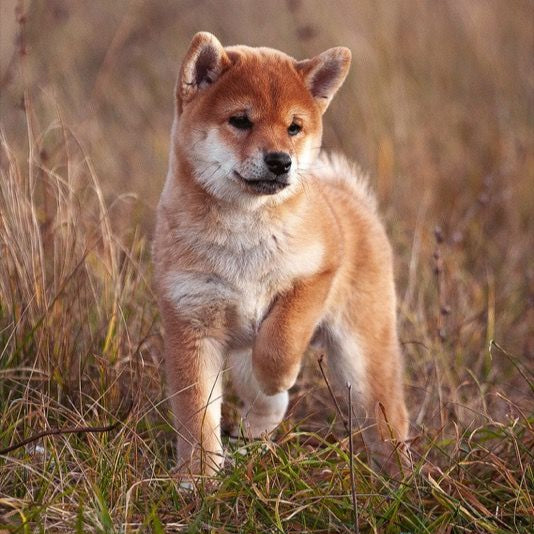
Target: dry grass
[[438, 107]]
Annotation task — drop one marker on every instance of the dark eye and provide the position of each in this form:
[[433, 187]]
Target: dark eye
[[241, 122], [294, 128]]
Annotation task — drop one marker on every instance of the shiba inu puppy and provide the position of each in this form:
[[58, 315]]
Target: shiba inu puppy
[[263, 245]]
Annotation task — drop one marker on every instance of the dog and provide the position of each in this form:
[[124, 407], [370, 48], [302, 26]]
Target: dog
[[264, 245]]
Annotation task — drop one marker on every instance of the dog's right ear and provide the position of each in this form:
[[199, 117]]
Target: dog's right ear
[[204, 62]]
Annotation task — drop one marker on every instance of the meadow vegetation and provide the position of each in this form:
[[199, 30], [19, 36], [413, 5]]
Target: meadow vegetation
[[438, 108]]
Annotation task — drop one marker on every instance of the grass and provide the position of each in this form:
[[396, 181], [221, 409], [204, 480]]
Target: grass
[[438, 107]]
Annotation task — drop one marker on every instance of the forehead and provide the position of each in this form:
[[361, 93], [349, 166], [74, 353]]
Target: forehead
[[263, 81]]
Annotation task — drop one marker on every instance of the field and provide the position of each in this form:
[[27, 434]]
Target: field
[[438, 108]]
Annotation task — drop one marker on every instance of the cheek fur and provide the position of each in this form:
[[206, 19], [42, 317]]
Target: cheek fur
[[213, 160]]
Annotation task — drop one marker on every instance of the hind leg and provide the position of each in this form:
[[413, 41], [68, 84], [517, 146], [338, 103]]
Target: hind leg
[[375, 374], [260, 413]]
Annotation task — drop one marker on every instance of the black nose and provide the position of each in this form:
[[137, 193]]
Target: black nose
[[278, 162]]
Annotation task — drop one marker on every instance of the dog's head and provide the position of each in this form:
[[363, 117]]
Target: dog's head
[[249, 119]]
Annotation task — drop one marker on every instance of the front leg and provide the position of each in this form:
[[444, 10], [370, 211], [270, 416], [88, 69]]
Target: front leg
[[194, 364], [285, 333]]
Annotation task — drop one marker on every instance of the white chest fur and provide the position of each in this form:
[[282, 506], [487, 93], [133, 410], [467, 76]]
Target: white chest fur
[[243, 263]]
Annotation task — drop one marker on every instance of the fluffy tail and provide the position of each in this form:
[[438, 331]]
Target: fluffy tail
[[338, 169]]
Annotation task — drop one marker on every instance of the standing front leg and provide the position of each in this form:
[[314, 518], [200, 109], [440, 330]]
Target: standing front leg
[[286, 332], [194, 364]]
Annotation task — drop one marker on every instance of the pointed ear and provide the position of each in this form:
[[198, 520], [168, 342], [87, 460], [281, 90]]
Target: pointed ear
[[204, 62], [324, 74]]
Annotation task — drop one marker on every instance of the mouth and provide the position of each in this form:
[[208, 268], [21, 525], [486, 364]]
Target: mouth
[[264, 187]]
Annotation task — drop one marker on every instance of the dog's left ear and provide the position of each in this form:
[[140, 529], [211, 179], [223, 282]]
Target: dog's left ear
[[204, 62], [324, 74]]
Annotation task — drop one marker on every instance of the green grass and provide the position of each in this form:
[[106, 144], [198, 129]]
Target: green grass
[[436, 107]]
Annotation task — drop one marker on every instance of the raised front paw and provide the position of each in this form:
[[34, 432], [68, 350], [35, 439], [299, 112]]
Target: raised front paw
[[273, 376]]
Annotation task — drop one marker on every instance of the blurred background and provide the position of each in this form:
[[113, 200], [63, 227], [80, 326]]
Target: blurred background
[[438, 108]]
